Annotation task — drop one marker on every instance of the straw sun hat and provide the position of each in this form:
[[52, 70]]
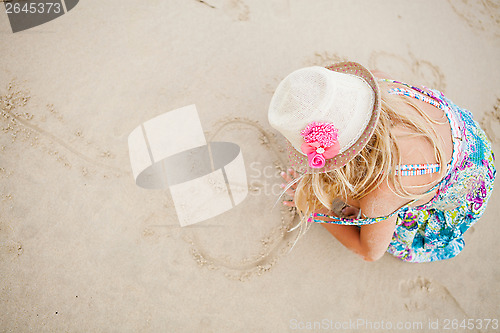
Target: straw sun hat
[[326, 114]]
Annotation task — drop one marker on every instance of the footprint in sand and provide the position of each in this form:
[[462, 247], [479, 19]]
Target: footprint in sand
[[483, 15], [414, 291], [409, 69], [422, 294]]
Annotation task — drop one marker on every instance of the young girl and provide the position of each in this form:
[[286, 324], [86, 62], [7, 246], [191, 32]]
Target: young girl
[[382, 165]]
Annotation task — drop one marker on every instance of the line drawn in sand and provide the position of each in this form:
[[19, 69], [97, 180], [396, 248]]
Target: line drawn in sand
[[483, 15], [410, 69], [273, 246], [19, 125], [275, 242], [22, 125]]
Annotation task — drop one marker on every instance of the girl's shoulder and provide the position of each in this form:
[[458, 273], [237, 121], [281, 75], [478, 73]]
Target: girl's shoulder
[[413, 149], [419, 150], [381, 201]]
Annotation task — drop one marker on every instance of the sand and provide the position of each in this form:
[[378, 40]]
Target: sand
[[84, 249]]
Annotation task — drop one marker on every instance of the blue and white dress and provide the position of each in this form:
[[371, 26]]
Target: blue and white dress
[[434, 231]]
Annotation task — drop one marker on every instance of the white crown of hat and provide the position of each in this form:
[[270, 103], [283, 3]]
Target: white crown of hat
[[321, 95]]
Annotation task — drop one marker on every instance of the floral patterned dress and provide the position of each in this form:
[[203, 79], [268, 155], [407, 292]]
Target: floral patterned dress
[[434, 231]]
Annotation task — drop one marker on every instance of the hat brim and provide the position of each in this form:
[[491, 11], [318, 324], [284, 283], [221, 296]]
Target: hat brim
[[300, 162]]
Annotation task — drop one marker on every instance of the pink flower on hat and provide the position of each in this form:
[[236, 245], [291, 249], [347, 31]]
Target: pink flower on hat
[[321, 143]]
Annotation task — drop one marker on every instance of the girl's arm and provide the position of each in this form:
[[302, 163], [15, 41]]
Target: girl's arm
[[369, 241]]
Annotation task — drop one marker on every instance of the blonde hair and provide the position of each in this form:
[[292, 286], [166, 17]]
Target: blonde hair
[[373, 165]]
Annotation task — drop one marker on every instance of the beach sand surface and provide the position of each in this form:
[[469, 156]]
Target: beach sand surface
[[84, 249]]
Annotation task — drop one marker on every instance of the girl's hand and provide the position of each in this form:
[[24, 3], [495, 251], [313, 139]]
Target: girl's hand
[[350, 212], [341, 209], [288, 177], [346, 212]]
